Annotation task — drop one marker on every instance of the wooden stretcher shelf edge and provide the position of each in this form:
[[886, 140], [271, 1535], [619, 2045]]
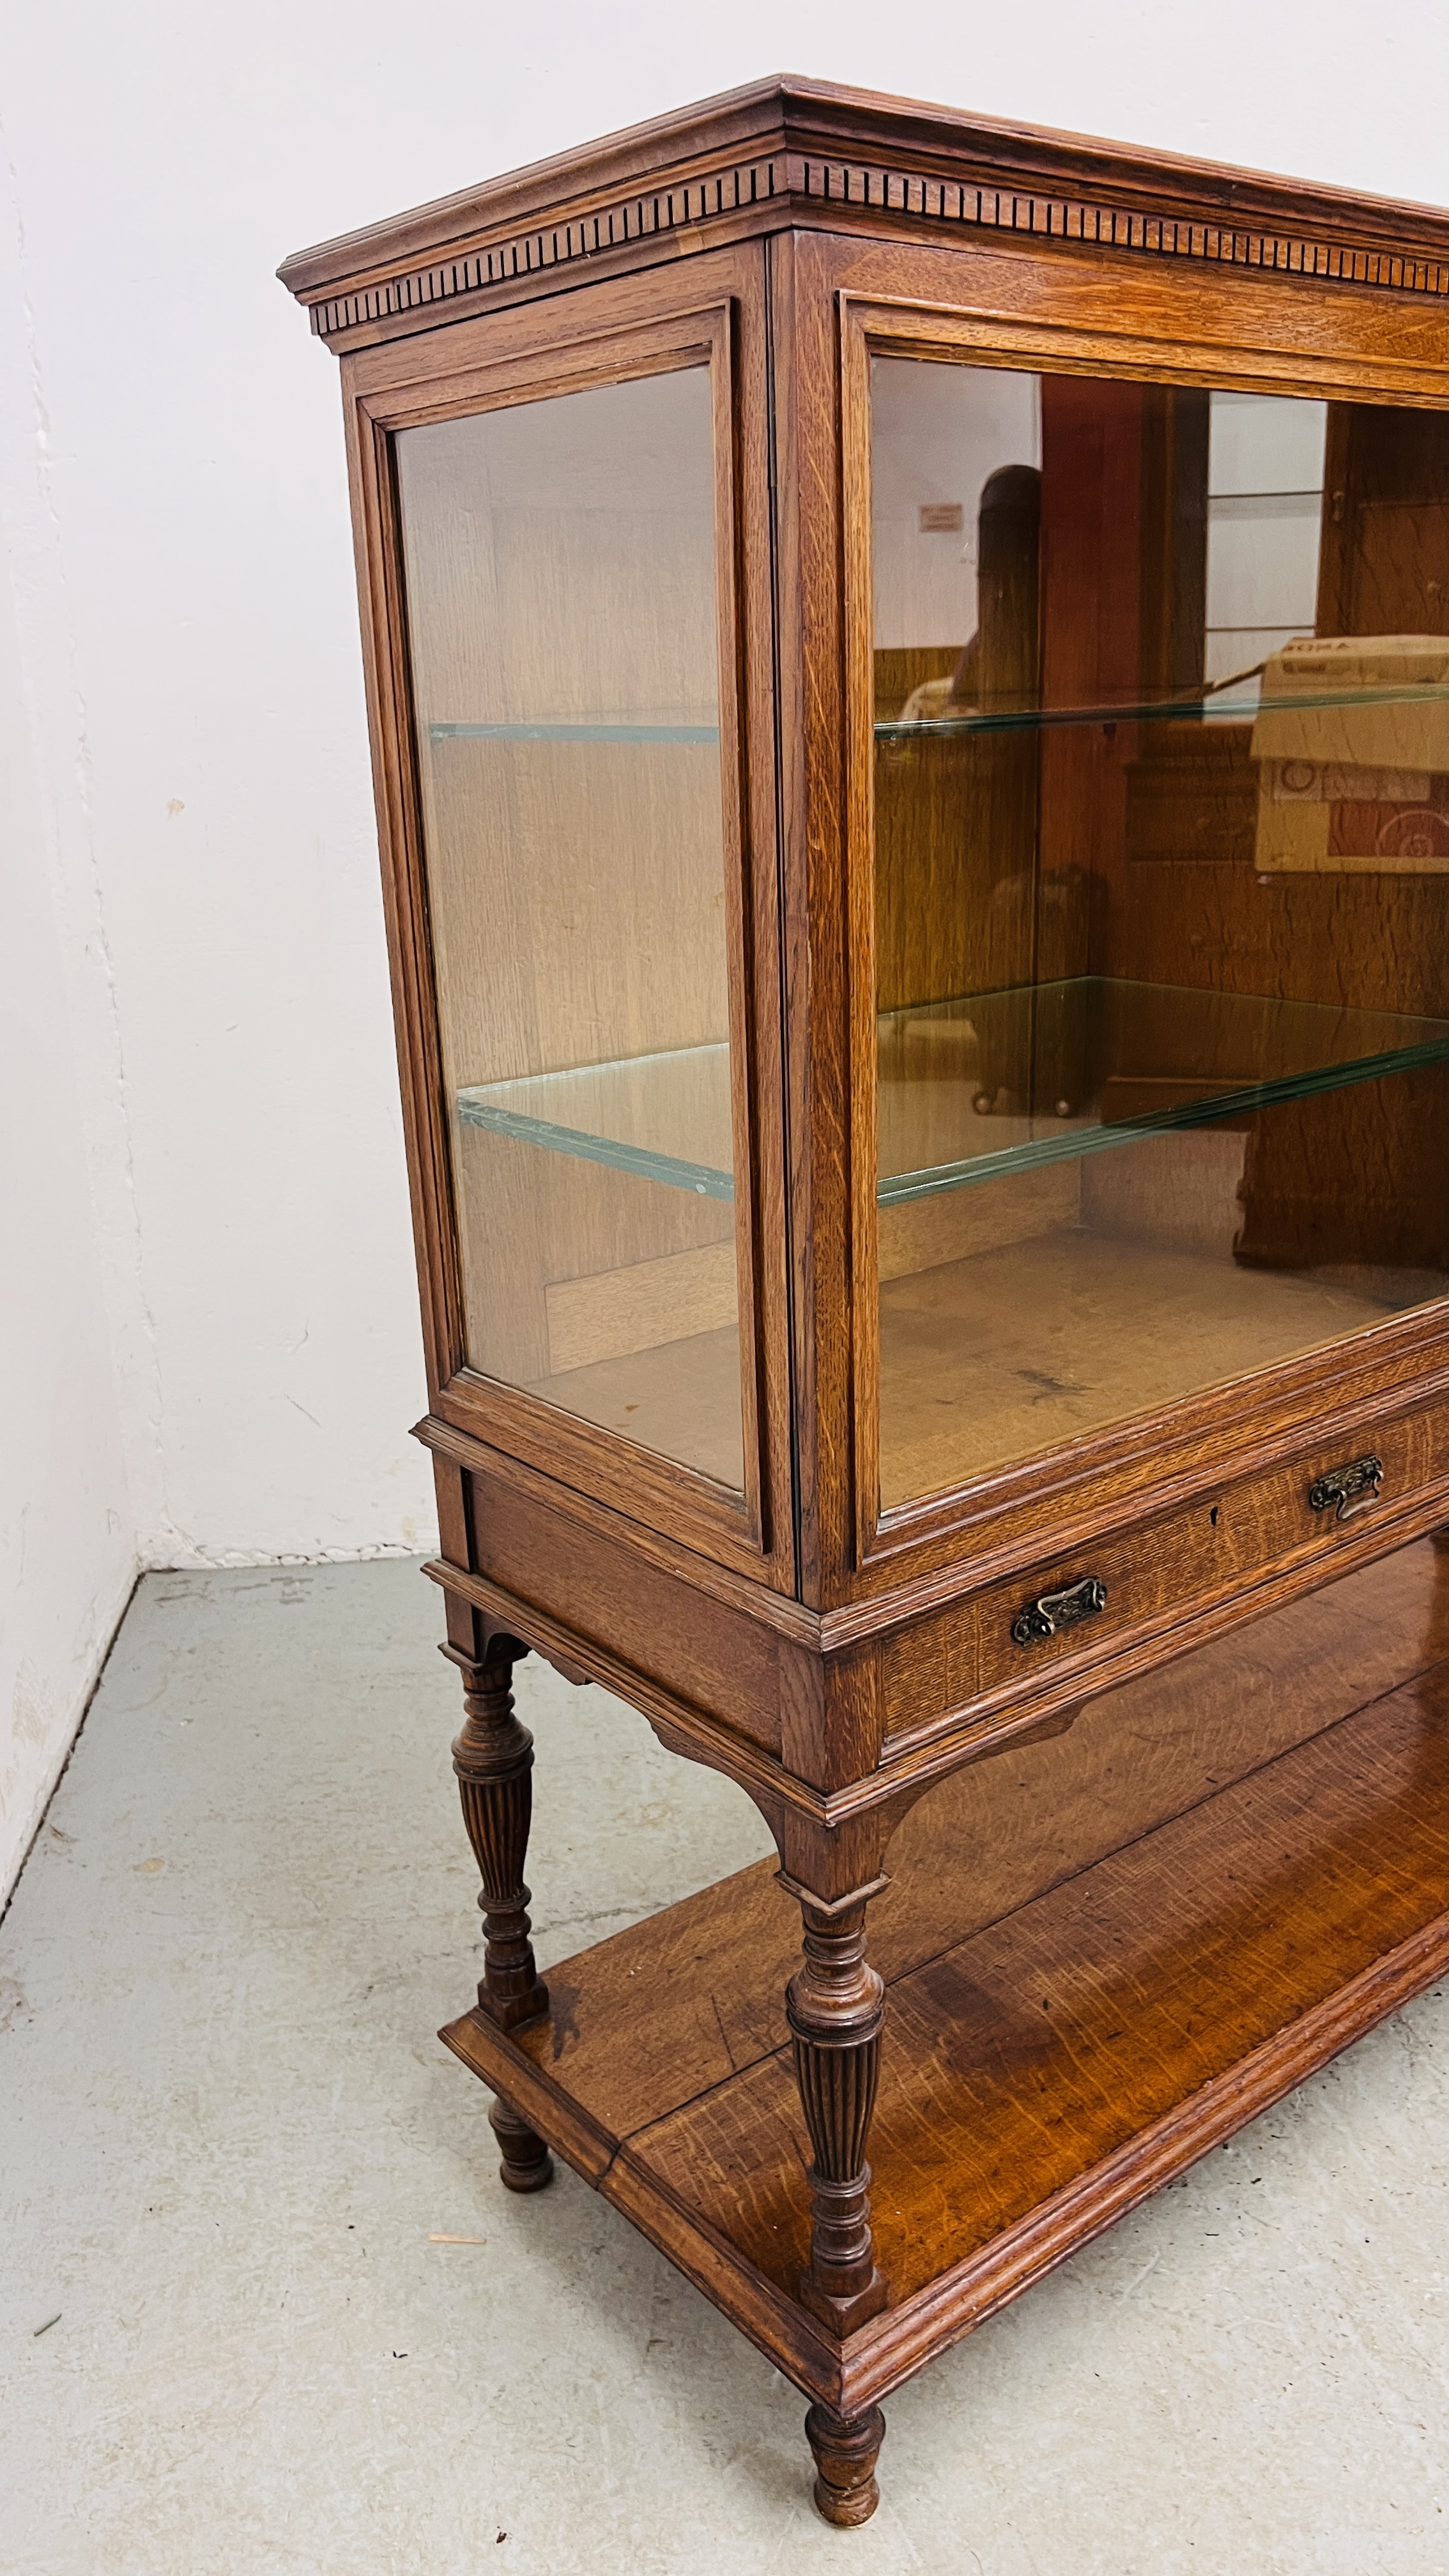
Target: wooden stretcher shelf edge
[[646, 2174]]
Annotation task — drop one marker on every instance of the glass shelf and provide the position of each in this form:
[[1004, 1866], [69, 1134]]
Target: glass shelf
[[1243, 710], [975, 1088], [947, 728], [579, 731], [665, 1116], [1066, 1070]]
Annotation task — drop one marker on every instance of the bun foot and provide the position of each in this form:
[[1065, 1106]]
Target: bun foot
[[526, 2163], [846, 2449]]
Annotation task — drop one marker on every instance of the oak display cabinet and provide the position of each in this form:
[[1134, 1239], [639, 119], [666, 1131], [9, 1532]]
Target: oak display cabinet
[[909, 684]]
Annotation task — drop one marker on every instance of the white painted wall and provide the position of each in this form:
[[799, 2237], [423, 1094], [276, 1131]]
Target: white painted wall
[[207, 1234], [67, 1533]]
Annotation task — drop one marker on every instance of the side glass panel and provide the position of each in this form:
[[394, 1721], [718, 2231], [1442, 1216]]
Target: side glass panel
[[560, 569], [1162, 894]]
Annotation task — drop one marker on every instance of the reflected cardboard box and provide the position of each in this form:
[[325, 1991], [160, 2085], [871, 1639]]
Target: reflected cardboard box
[[1352, 746]]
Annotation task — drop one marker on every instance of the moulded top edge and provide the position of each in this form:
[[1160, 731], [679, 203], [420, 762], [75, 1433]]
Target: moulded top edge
[[794, 115]]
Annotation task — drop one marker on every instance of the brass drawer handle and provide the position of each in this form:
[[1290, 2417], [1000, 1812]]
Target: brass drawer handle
[[1058, 1610], [1364, 1477]]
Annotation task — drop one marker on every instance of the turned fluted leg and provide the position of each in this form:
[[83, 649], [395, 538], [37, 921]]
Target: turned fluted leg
[[846, 2449], [834, 2005], [493, 1758], [526, 2163]]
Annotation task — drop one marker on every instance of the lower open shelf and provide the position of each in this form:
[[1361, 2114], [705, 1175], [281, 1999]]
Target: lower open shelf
[[1101, 1960]]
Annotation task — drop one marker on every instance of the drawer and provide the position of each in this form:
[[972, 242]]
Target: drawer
[[1075, 1611]]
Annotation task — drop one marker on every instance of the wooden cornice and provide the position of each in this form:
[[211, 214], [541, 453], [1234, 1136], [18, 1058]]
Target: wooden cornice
[[790, 153]]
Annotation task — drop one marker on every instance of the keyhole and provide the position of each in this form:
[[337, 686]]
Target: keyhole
[[1213, 1516]]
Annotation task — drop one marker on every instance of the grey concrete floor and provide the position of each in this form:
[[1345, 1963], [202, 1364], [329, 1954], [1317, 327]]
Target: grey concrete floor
[[234, 2157]]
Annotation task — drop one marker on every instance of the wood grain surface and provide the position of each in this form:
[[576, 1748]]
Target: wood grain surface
[[793, 151], [1079, 1937]]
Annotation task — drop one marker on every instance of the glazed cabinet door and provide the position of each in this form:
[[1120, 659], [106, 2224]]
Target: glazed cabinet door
[[1147, 818], [1162, 894], [573, 701]]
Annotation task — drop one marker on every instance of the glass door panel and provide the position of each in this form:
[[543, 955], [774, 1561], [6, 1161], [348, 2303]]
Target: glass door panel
[[560, 569], [1161, 794]]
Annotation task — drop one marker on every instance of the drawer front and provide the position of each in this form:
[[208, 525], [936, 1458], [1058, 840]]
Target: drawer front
[[1078, 1610]]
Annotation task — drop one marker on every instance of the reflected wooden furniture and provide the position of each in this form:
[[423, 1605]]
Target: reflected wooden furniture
[[1036, 1516]]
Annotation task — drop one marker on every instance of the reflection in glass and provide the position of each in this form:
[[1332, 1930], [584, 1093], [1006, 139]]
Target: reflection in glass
[[1162, 894], [1264, 502], [560, 565]]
